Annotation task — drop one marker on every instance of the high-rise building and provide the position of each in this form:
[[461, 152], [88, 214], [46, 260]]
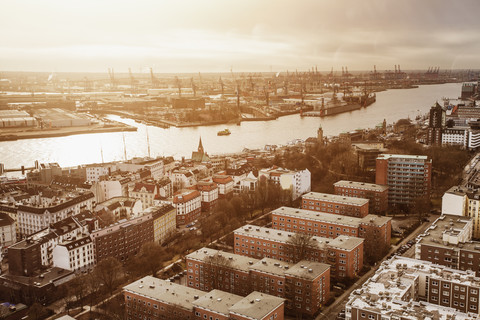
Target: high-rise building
[[408, 177]]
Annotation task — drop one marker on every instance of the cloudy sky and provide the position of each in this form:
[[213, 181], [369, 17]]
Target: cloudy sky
[[242, 35]]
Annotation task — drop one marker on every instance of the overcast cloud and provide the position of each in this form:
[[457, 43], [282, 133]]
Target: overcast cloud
[[245, 35]]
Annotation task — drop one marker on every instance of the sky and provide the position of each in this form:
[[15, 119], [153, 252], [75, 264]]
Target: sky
[[238, 35]]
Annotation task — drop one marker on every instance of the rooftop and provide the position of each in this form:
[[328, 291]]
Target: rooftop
[[235, 261], [341, 242], [218, 301], [161, 290], [386, 156], [317, 196], [256, 305], [360, 185], [392, 289]]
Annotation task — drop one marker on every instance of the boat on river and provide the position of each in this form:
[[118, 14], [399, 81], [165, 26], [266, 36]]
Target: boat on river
[[225, 132]]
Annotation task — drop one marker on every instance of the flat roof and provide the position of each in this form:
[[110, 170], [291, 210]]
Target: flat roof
[[256, 305], [335, 198], [361, 185], [162, 290], [331, 218], [218, 301], [401, 156], [307, 269], [272, 266], [235, 261], [341, 242]]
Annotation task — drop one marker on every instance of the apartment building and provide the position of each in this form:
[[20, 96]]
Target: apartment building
[[95, 171], [8, 233], [376, 194], [448, 242], [154, 298], [372, 227], [121, 207], [39, 212], [344, 254], [74, 255], [30, 255], [408, 177], [164, 221], [299, 182], [189, 206], [335, 204], [305, 285], [225, 185], [404, 288], [123, 239], [145, 192], [209, 194]]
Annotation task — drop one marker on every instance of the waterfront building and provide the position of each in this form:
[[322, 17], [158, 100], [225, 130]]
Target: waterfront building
[[160, 299], [377, 194], [95, 171], [335, 204], [408, 177], [344, 254], [436, 124], [39, 211], [305, 285], [404, 288], [448, 242], [44, 174]]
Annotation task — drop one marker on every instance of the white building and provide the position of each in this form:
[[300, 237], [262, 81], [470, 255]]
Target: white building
[[121, 207], [8, 234], [95, 171], [38, 215], [155, 166], [247, 184], [299, 182], [74, 255], [145, 192], [454, 201], [455, 136]]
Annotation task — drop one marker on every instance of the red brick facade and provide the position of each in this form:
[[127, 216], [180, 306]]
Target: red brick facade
[[376, 194], [334, 204]]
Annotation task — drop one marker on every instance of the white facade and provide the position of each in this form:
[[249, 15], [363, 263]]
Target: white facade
[[299, 182], [454, 202], [473, 139], [107, 189], [33, 218], [156, 167], [457, 136], [94, 172], [74, 255], [8, 234], [473, 211]]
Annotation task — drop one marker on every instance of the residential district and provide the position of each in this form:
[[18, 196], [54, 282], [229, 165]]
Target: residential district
[[239, 237]]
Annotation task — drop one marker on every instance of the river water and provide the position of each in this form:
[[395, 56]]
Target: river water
[[391, 105]]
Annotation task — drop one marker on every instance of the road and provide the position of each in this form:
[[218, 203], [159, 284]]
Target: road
[[332, 311]]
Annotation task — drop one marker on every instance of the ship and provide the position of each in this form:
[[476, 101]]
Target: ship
[[347, 104], [225, 132]]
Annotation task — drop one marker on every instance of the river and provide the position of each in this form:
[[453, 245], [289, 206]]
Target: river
[[391, 105]]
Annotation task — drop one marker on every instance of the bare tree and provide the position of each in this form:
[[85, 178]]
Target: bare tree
[[214, 269], [108, 271], [299, 246]]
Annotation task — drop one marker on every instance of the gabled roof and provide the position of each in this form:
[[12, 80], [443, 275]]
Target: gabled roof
[[150, 188]]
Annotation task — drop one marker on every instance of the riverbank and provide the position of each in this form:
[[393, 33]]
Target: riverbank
[[12, 134]]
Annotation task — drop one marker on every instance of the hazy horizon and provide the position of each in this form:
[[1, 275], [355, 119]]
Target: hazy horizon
[[243, 36]]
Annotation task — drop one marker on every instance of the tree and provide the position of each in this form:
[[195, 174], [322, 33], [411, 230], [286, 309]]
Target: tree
[[108, 271], [37, 311], [150, 259], [78, 288], [374, 248], [422, 206], [298, 246], [211, 270]]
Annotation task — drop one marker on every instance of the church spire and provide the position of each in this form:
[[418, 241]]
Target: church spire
[[200, 146]]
